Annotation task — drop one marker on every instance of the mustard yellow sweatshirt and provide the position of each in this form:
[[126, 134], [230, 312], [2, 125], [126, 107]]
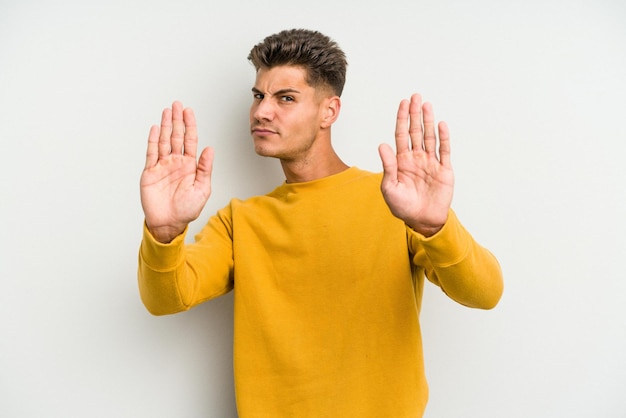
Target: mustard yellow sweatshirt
[[328, 287]]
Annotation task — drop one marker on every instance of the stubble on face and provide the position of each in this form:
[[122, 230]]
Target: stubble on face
[[285, 114]]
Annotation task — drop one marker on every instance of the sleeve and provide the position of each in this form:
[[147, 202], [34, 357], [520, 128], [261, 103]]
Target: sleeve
[[453, 260], [176, 276]]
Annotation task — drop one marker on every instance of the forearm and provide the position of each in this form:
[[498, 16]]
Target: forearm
[[166, 234], [465, 271], [476, 281], [159, 274], [174, 277]]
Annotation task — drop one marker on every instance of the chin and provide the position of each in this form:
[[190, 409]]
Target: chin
[[264, 152]]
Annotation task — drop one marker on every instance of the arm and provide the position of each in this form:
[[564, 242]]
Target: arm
[[418, 184], [467, 272], [174, 189], [175, 276]]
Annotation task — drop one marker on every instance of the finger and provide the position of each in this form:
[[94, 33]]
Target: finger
[[152, 154], [430, 139], [178, 128], [165, 144], [402, 121], [190, 142], [205, 168], [444, 145], [390, 164], [415, 129]]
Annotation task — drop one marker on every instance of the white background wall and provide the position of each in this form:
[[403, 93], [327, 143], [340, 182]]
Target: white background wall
[[534, 93]]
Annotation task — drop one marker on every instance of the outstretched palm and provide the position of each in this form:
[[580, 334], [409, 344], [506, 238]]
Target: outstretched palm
[[174, 186], [418, 181]]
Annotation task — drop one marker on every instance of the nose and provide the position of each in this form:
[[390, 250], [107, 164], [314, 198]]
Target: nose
[[262, 110]]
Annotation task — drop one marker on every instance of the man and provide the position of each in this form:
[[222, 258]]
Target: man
[[327, 271]]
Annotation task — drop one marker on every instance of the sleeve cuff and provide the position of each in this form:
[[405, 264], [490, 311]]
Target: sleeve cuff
[[449, 245], [159, 256]]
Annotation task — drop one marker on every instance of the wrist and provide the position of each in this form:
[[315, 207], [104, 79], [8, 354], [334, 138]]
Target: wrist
[[165, 234], [426, 231]]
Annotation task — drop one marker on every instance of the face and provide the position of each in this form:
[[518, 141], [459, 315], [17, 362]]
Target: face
[[287, 115]]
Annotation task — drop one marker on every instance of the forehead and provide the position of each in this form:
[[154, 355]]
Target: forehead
[[281, 77]]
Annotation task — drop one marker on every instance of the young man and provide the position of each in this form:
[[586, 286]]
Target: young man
[[327, 271]]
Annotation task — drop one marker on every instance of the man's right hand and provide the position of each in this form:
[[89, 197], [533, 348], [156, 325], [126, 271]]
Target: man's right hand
[[174, 186]]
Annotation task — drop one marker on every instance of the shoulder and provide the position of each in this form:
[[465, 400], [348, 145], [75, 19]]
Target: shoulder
[[357, 175]]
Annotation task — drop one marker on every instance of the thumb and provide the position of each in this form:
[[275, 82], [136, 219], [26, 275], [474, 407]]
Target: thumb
[[204, 170], [390, 163]]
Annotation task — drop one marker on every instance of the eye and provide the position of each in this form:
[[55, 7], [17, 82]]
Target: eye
[[258, 96], [287, 98]]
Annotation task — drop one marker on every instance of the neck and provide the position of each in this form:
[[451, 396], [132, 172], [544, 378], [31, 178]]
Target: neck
[[310, 169]]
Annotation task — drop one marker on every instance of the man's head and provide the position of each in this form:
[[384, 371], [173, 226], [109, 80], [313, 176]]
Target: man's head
[[321, 58]]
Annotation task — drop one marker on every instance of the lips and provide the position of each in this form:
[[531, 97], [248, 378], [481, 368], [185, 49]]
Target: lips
[[261, 131]]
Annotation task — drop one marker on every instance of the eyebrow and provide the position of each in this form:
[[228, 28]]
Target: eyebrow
[[277, 93]]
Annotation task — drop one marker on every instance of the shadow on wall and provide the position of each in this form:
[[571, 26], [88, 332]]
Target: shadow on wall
[[242, 173]]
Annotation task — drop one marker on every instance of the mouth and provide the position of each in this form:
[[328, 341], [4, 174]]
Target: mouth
[[260, 131]]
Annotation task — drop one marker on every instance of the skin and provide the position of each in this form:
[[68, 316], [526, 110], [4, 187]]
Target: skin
[[175, 184], [291, 121], [418, 181]]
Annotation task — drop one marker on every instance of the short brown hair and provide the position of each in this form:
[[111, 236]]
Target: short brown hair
[[321, 57]]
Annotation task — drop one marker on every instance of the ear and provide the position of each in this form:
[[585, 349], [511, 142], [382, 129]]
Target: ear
[[331, 108]]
